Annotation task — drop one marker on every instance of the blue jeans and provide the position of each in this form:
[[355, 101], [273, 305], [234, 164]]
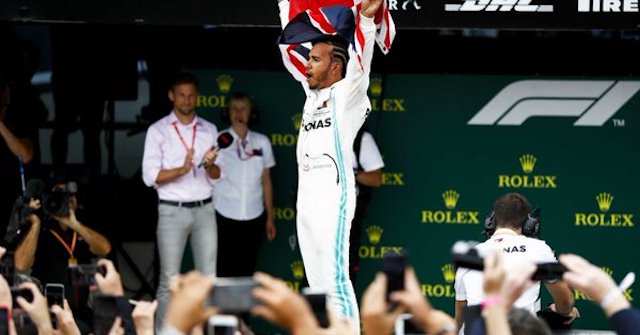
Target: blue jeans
[[175, 226]]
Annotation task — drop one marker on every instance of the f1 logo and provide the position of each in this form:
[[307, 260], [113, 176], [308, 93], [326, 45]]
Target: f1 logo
[[593, 101]]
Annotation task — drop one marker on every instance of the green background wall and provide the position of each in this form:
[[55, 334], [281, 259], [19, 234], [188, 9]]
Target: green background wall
[[421, 125]]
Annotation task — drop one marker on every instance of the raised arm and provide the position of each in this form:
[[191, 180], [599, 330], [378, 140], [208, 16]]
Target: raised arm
[[370, 7], [98, 244], [18, 146], [25, 253]]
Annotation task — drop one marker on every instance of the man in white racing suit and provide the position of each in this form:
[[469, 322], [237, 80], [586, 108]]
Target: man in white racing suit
[[335, 80]]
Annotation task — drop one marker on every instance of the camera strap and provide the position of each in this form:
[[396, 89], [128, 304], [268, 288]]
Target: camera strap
[[70, 247]]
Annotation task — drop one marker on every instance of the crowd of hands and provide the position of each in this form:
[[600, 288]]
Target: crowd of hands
[[278, 303], [282, 306]]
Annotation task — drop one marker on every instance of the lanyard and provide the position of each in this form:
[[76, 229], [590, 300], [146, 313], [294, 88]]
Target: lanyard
[[70, 248], [248, 154], [193, 138], [184, 143]]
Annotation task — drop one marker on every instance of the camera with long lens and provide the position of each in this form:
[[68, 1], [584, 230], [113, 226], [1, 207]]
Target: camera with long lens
[[56, 202]]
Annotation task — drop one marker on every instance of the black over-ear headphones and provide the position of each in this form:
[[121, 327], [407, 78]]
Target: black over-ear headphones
[[530, 228], [254, 114]]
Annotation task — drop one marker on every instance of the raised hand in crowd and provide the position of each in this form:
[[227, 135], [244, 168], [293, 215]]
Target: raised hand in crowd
[[143, 317], [5, 296], [501, 290], [66, 323], [433, 321], [594, 282], [282, 306], [38, 309], [508, 286], [377, 319], [186, 306], [109, 283]]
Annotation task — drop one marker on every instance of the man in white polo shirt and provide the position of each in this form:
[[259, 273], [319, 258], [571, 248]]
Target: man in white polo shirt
[[510, 213]]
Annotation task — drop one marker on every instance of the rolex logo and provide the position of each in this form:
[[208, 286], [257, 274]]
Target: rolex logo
[[448, 272], [607, 270], [606, 217], [375, 86], [450, 198], [297, 268], [527, 179], [224, 82], [528, 162], [604, 200], [374, 233], [296, 119]]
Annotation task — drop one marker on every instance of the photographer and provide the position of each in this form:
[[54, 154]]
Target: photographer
[[513, 236], [55, 239]]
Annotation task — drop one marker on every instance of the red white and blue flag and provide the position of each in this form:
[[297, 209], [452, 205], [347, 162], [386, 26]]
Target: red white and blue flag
[[309, 20]]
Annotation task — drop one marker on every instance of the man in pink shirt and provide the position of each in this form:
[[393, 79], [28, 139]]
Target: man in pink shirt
[[180, 163]]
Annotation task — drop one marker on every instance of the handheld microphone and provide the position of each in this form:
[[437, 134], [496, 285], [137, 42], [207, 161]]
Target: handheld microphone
[[224, 141]]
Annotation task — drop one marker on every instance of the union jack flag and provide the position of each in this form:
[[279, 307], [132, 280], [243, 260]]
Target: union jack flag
[[309, 20]]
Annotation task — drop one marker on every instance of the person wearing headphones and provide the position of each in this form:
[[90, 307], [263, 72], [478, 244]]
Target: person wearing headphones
[[514, 235], [243, 197]]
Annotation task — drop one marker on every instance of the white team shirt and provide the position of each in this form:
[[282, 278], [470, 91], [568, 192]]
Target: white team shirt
[[239, 195], [515, 248], [370, 158]]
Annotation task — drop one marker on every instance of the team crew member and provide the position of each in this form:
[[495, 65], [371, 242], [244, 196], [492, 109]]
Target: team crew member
[[180, 164], [335, 83], [244, 197], [511, 214]]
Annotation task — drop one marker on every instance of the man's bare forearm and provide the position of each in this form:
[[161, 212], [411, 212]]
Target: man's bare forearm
[[26, 251], [371, 178], [19, 147], [169, 175], [98, 244]]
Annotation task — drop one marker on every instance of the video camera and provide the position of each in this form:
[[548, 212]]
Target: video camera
[[54, 203]]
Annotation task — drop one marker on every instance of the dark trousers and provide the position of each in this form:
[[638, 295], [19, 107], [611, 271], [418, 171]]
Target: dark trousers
[[355, 240], [238, 245]]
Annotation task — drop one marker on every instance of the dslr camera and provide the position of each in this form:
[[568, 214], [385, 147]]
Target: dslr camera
[[56, 202]]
